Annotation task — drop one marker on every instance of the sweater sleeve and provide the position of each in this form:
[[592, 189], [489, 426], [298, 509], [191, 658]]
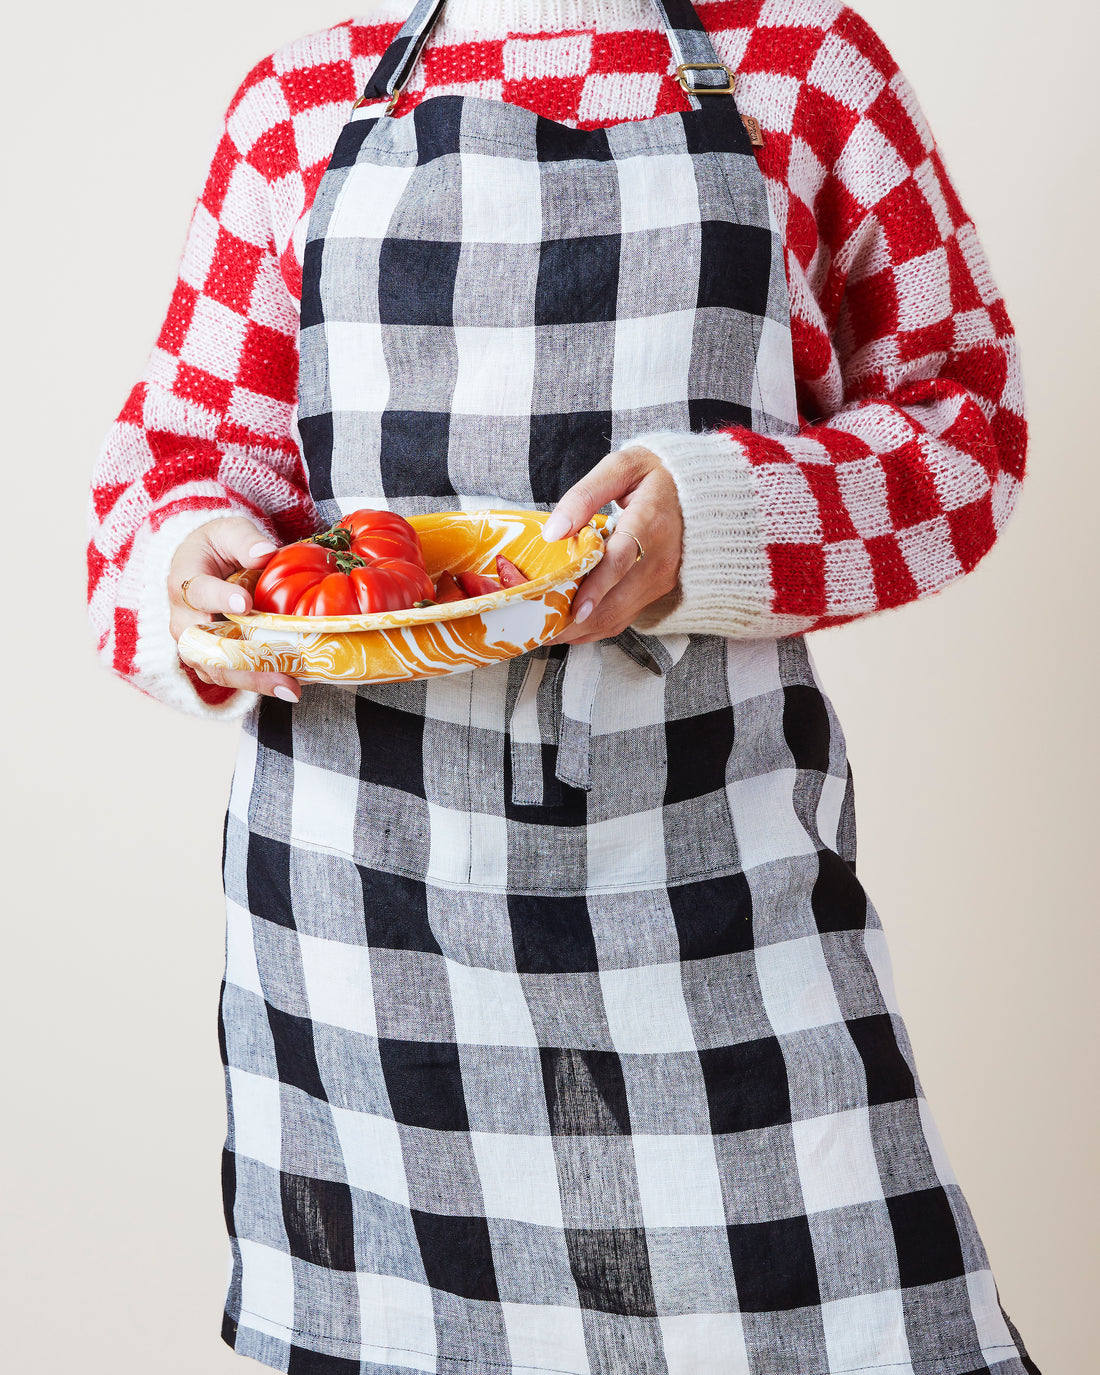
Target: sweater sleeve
[[912, 440], [208, 430]]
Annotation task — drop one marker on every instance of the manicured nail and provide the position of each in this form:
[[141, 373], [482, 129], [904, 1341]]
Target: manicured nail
[[582, 611], [283, 693], [259, 550], [555, 527], [237, 603]]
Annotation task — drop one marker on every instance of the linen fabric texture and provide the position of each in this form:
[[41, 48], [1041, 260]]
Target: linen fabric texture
[[911, 451], [559, 1033]]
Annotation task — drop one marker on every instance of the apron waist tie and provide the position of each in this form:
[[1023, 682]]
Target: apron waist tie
[[579, 680], [553, 710]]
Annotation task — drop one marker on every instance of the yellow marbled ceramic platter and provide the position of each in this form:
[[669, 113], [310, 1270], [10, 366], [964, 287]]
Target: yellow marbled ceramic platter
[[454, 637]]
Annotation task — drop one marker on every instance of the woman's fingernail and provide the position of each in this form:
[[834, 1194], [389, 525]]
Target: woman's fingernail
[[283, 693], [259, 550], [237, 603], [582, 611], [555, 527]]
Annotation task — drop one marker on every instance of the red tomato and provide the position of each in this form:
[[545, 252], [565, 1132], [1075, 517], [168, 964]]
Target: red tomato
[[382, 535], [391, 585], [288, 574], [333, 595], [306, 579]]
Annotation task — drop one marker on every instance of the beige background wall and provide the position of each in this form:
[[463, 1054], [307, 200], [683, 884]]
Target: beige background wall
[[971, 718]]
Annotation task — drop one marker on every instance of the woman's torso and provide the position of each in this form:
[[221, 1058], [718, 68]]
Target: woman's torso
[[569, 989], [493, 301]]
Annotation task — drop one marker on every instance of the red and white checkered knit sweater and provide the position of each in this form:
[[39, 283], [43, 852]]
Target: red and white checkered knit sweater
[[913, 438]]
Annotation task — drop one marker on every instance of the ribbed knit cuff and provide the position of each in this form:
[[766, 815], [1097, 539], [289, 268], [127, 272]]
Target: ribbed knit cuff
[[157, 663], [724, 585]]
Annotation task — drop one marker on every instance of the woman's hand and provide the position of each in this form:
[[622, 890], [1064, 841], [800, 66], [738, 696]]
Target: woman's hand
[[621, 584], [206, 557]]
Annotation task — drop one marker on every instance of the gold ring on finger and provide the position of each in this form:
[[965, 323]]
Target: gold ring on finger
[[183, 594], [641, 552]]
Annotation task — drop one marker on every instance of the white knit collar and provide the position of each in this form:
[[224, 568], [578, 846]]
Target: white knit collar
[[498, 17]]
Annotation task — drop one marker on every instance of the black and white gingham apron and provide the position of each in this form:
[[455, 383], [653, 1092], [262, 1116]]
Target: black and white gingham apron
[[559, 1033]]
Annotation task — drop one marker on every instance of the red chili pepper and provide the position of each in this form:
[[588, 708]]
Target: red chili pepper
[[510, 576], [477, 584], [447, 590]]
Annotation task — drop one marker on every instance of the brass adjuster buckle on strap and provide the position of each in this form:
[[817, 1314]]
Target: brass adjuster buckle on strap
[[370, 100], [692, 89]]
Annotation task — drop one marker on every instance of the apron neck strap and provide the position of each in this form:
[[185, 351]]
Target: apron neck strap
[[697, 67], [400, 57], [692, 48]]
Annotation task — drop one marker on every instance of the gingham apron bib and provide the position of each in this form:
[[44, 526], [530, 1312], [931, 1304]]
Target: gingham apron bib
[[559, 1033]]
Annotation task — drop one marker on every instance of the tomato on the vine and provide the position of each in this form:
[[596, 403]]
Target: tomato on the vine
[[382, 535], [368, 561], [391, 585], [289, 574], [323, 576]]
